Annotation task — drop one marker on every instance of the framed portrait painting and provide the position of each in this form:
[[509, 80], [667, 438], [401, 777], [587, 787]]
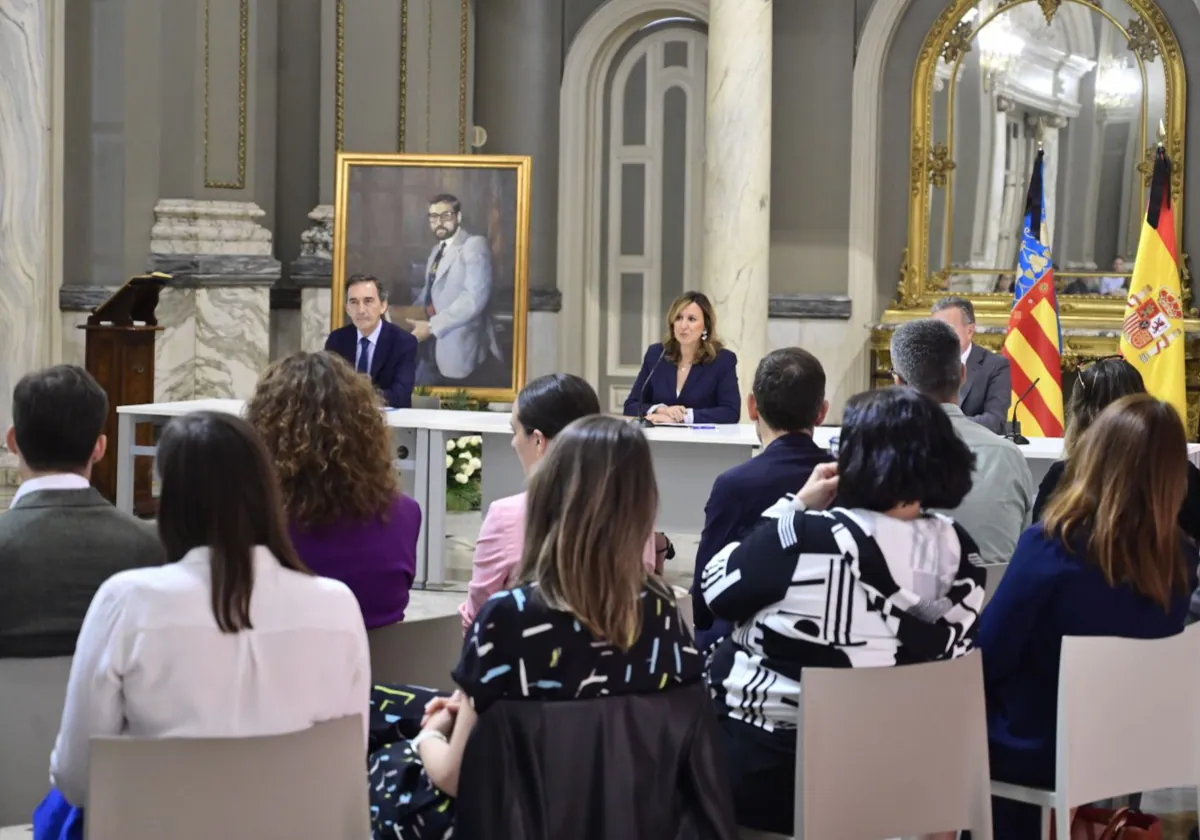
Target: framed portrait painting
[[447, 238]]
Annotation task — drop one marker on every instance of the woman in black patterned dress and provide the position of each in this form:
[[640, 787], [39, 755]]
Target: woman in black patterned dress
[[585, 622]]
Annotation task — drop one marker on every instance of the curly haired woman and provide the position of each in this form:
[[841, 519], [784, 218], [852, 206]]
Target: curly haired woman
[[332, 448]]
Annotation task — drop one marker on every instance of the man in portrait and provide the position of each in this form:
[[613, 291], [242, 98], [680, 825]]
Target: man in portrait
[[458, 340]]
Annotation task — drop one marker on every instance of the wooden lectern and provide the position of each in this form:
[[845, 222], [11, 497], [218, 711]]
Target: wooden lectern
[[119, 352]]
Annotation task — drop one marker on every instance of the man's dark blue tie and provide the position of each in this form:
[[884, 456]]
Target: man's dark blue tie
[[364, 356]]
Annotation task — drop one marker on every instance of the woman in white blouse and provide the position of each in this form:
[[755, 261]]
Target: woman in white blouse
[[234, 637]]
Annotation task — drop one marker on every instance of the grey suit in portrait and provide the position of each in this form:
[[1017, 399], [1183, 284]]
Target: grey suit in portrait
[[461, 294], [56, 548], [987, 394]]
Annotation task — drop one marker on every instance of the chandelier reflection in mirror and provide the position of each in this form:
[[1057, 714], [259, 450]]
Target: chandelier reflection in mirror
[[999, 48], [1118, 84]]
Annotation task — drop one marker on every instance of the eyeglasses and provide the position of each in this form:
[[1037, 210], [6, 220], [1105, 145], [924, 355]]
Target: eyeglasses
[[448, 216]]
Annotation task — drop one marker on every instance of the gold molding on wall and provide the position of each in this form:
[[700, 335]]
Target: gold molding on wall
[[243, 72], [403, 131], [464, 33], [339, 82]]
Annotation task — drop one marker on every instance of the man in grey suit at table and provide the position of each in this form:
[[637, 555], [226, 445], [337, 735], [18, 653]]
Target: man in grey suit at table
[[458, 341], [61, 539], [986, 395]]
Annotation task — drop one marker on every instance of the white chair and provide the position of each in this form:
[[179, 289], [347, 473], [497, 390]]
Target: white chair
[[32, 694], [686, 612], [421, 652], [309, 785], [891, 752], [1127, 722]]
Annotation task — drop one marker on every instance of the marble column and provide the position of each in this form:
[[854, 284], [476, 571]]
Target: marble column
[[216, 309], [30, 171], [737, 177]]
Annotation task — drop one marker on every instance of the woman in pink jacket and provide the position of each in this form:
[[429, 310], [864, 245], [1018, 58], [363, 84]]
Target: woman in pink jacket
[[544, 408]]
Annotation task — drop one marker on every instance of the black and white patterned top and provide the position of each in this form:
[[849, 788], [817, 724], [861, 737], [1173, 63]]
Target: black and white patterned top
[[837, 589], [520, 648]]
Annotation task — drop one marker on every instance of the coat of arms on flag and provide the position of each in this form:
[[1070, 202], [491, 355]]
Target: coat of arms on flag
[[1149, 321]]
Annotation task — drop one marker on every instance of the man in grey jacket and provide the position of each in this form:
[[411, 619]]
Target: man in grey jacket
[[60, 538], [926, 356]]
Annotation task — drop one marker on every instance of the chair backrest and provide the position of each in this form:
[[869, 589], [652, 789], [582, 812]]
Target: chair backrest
[[32, 693], [421, 652], [1127, 715], [913, 736], [308, 785], [687, 612]]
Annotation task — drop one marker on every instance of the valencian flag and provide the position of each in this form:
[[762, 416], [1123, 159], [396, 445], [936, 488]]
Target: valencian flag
[[1033, 345], [1152, 340]]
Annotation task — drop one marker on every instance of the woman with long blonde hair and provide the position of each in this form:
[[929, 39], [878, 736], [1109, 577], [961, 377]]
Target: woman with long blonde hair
[[1109, 559], [584, 621], [689, 377]]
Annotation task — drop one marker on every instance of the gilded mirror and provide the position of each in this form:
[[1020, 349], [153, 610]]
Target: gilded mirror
[[1088, 82]]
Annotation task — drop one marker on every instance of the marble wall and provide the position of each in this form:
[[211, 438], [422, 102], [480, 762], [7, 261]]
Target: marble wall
[[314, 319], [26, 184], [214, 343]]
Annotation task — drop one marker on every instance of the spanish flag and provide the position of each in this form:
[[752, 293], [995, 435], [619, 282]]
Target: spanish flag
[[1034, 341], [1152, 340]]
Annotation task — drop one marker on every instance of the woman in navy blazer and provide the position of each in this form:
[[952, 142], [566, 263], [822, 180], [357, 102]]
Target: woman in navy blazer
[[689, 377], [1109, 560]]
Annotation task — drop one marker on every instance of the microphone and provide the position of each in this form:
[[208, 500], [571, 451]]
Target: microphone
[[1014, 427], [641, 415]]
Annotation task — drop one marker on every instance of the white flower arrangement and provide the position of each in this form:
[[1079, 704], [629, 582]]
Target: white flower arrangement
[[464, 472]]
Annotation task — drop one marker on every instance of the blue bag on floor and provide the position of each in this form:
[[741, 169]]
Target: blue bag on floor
[[57, 819]]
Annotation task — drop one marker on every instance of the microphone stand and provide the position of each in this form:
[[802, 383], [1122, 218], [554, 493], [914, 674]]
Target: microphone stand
[[1013, 432], [642, 420]]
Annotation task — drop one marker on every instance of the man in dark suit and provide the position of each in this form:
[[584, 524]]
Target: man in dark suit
[[60, 539], [374, 346], [987, 394], [787, 403]]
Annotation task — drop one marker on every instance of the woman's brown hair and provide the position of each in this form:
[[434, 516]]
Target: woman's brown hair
[[710, 346], [1120, 497], [590, 510], [219, 490], [325, 430]]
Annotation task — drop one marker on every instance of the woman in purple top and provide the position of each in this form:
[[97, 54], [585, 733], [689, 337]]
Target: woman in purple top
[[349, 521]]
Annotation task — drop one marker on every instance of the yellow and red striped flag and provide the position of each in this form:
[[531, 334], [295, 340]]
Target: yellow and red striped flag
[[1152, 340], [1033, 344]]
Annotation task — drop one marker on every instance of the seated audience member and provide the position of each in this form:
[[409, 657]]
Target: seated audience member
[[584, 621], [690, 377], [786, 404], [375, 346], [544, 408], [1096, 387], [985, 394], [1108, 560], [925, 355], [61, 539], [232, 638], [905, 588], [331, 448]]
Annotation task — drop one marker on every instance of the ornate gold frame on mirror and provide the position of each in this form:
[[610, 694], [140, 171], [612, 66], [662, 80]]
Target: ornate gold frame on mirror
[[1150, 38]]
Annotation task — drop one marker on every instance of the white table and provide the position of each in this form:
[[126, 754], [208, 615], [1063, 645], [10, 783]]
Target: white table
[[686, 461]]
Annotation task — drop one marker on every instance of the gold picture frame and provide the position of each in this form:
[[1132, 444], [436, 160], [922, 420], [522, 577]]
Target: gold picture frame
[[383, 226], [931, 164]]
